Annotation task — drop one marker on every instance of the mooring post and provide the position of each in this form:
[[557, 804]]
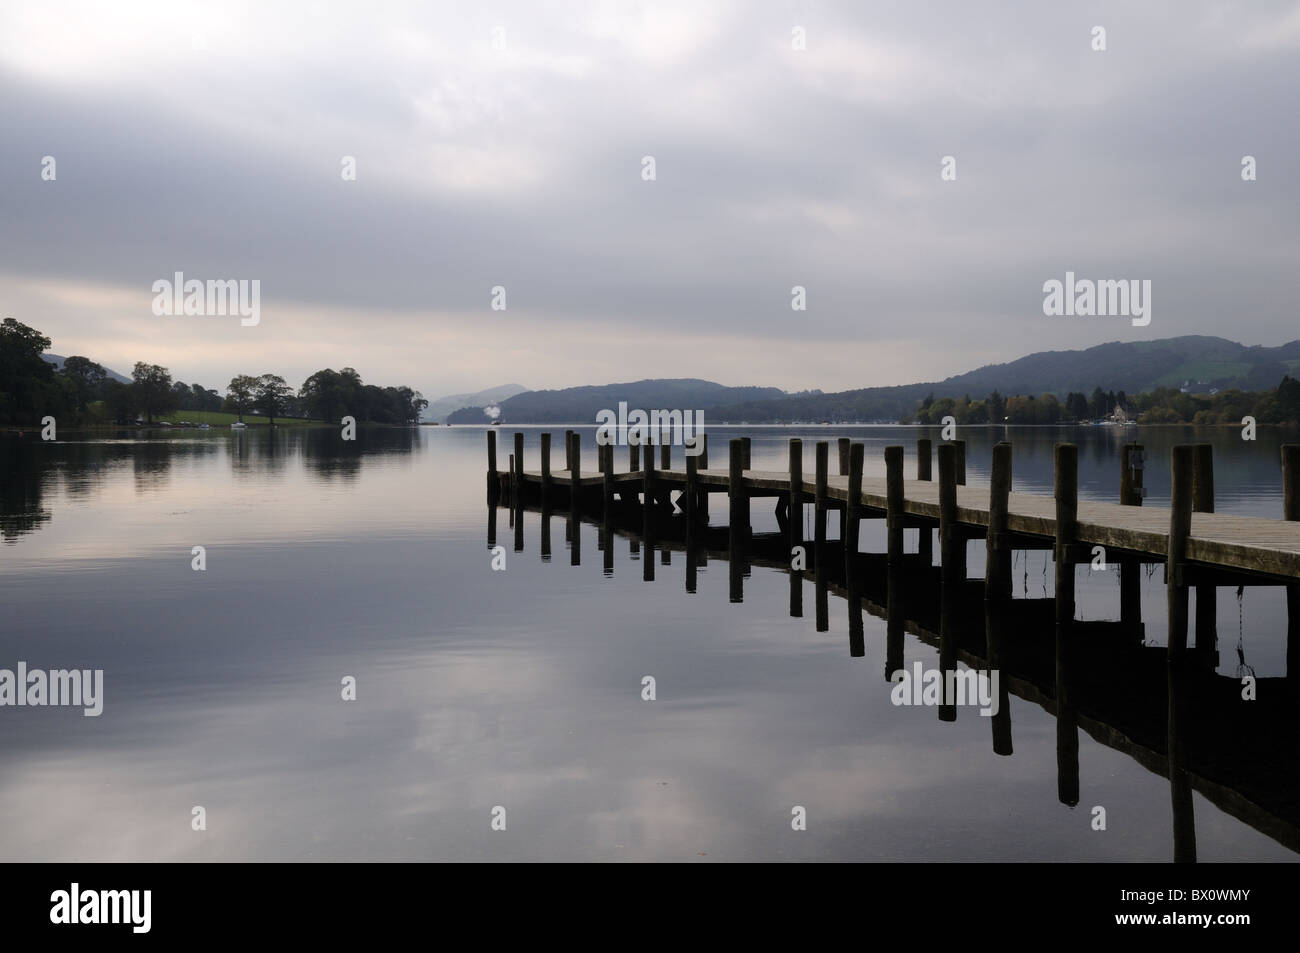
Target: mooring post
[[544, 438], [997, 563], [519, 465], [844, 447], [1067, 509], [950, 568], [744, 446], [1291, 511], [1180, 528], [633, 452], [665, 455], [961, 461], [795, 518], [853, 511], [819, 492], [692, 486], [1207, 597], [924, 533], [952, 574], [1131, 491], [704, 465], [739, 498], [648, 479], [607, 478], [894, 517], [493, 478]]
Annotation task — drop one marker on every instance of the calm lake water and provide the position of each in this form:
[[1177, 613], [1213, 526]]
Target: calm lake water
[[522, 689]]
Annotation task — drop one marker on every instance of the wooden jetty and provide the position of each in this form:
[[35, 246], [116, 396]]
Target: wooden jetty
[[1167, 707]]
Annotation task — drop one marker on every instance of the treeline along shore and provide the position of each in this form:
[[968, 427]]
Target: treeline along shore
[[81, 393]]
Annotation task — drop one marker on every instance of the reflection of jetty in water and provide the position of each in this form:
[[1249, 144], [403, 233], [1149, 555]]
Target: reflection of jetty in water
[[1168, 709]]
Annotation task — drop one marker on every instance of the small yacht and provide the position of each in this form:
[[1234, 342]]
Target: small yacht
[[238, 425]]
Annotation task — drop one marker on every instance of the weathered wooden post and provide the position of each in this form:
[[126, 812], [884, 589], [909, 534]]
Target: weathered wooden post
[[1131, 492], [924, 534], [820, 483], [1291, 511], [607, 479], [648, 479], [744, 446], [544, 438], [575, 502], [568, 451], [952, 574], [853, 510], [894, 516], [1207, 601], [1067, 509], [692, 487], [493, 478], [997, 563], [704, 465], [795, 517], [633, 452], [1180, 528], [1066, 491], [519, 465], [961, 461], [739, 497], [844, 447], [665, 455]]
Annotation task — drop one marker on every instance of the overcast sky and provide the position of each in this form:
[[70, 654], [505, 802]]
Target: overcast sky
[[208, 139]]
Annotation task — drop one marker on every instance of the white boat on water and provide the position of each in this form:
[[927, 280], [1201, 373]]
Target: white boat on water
[[238, 425]]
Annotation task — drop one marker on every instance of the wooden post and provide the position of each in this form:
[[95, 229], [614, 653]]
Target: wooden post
[[544, 439], [648, 480], [819, 536], [607, 478], [951, 569], [517, 484], [819, 493], [894, 504], [633, 453], [853, 512], [1180, 528], [795, 518], [997, 563], [1291, 511], [1067, 509], [1132, 464], [704, 465], [665, 455], [739, 498], [924, 534], [704, 454], [952, 574], [994, 616], [493, 478], [844, 444], [692, 487], [961, 461], [1207, 602], [744, 446]]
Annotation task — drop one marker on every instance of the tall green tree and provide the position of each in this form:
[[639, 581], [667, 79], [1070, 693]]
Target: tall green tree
[[152, 386], [84, 379], [270, 395], [241, 393], [28, 388]]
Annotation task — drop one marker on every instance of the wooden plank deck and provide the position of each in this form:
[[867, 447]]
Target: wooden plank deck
[[1219, 540]]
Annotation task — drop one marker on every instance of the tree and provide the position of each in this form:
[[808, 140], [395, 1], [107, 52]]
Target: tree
[[119, 400], [270, 394], [85, 380], [152, 390], [28, 388], [997, 407], [240, 393], [1076, 405]]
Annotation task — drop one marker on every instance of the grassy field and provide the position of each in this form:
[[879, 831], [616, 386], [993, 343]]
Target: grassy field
[[218, 419]]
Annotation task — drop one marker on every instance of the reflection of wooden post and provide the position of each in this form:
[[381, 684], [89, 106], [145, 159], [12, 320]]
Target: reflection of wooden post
[[1130, 572], [1180, 784], [924, 534], [1291, 511], [895, 620], [492, 525], [1180, 528], [952, 574], [894, 504], [1206, 595], [994, 612], [997, 565], [493, 478], [853, 510], [736, 530]]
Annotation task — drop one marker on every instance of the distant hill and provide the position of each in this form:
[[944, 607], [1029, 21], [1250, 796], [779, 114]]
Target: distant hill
[[58, 360], [1199, 363], [441, 407], [581, 404]]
